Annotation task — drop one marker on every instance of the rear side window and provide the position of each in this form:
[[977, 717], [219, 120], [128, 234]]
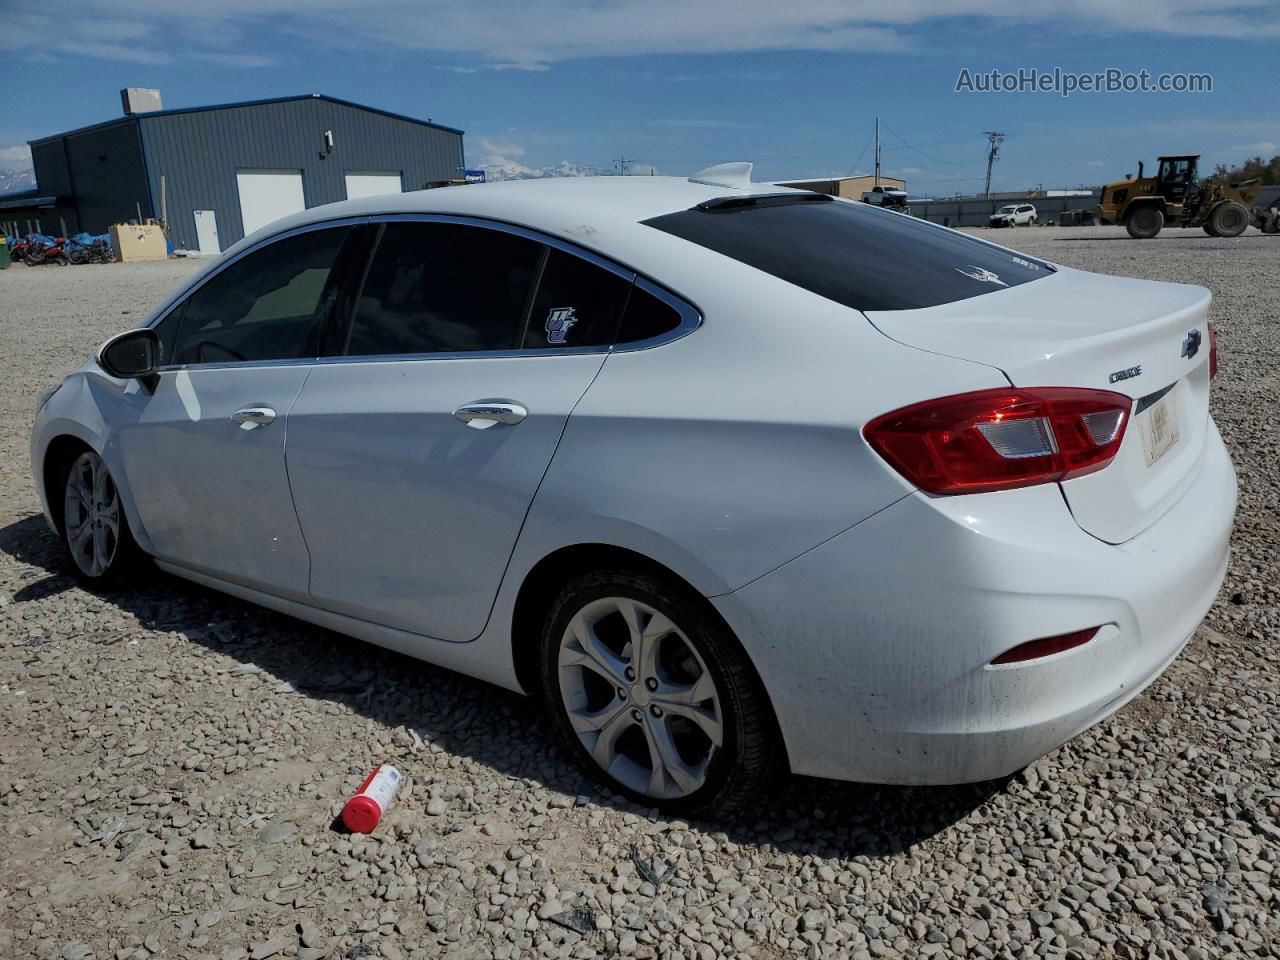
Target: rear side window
[[443, 288], [852, 253], [262, 307], [578, 304], [646, 317]]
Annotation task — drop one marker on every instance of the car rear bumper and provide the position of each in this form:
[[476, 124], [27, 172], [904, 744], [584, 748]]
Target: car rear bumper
[[876, 646]]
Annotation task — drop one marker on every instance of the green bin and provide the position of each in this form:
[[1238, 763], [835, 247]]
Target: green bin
[[5, 259]]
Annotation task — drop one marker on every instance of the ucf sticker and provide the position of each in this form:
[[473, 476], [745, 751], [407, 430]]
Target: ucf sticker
[[559, 321]]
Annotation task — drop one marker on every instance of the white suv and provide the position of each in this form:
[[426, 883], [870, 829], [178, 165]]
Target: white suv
[[1014, 215]]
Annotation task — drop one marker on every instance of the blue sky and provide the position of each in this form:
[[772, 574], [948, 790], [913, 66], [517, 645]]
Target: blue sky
[[675, 86]]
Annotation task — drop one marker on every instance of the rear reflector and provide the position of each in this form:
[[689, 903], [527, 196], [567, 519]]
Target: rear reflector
[[1045, 646], [1213, 351], [1001, 439]]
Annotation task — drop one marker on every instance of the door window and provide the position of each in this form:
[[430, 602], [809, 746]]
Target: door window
[[443, 288], [263, 306], [577, 305]]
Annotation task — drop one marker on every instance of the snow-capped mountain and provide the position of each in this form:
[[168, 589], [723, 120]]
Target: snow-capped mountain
[[504, 168], [12, 181]]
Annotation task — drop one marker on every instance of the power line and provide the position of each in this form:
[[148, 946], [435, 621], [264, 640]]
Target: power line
[[945, 163], [861, 153]]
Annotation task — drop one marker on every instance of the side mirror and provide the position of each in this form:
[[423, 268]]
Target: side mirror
[[132, 355]]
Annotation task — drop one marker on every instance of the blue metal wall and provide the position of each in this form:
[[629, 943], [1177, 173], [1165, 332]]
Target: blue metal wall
[[198, 152], [97, 175]]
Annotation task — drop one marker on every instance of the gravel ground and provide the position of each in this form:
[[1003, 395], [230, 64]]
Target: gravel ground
[[172, 761]]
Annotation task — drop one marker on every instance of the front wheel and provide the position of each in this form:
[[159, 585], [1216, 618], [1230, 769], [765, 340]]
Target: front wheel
[[1144, 223], [95, 531], [1229, 219], [653, 696]]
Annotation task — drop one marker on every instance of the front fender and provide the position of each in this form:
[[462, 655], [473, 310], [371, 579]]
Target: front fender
[[81, 409]]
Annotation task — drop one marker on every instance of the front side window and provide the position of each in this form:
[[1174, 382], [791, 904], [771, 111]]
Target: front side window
[[262, 307], [852, 253], [443, 288], [577, 305]]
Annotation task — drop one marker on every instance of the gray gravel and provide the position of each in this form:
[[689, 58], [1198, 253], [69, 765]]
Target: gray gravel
[[171, 761]]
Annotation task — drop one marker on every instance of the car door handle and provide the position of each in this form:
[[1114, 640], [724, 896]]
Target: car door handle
[[251, 417], [483, 414]]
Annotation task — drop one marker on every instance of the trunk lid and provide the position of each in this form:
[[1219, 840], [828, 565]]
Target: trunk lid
[[1146, 340]]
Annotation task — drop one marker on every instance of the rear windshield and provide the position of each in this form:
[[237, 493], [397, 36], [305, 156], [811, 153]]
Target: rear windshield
[[852, 253]]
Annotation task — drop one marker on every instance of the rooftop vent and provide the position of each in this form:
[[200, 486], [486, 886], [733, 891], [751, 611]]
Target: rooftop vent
[[140, 100]]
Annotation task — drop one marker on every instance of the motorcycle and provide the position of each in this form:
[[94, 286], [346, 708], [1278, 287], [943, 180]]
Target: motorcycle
[[86, 248], [42, 248]]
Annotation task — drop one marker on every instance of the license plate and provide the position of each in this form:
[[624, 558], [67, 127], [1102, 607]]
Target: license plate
[[1159, 428]]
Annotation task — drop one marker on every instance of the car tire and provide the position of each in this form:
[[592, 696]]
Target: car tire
[[100, 549], [683, 723], [1229, 219], [1144, 223]]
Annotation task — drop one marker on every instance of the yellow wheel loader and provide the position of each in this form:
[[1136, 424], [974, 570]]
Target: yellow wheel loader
[[1175, 195]]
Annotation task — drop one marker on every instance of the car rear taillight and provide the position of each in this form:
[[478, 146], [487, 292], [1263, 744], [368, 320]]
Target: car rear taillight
[[1046, 646], [1213, 351], [1001, 439]]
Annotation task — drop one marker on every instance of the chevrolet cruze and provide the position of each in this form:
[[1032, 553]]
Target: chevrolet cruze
[[734, 477]]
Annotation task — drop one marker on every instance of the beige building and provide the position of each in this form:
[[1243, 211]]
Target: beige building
[[851, 188]]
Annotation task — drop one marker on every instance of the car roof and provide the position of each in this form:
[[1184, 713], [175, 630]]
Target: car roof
[[604, 214]]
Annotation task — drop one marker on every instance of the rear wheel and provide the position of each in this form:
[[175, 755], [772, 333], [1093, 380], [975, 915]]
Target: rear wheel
[[95, 531], [653, 696], [1144, 222], [1229, 219], [1208, 228]]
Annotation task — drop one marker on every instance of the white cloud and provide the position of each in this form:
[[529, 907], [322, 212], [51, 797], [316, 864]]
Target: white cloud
[[1264, 149], [16, 157], [239, 61], [518, 35]]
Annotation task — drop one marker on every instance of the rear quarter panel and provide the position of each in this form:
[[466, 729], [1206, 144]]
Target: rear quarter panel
[[736, 448]]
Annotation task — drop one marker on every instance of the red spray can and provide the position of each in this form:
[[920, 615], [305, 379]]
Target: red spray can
[[365, 809]]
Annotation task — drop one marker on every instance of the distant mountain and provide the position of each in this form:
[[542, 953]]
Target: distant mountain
[[12, 181], [502, 168]]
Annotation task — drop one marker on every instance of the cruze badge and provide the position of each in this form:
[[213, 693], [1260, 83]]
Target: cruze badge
[[1126, 374], [982, 275], [559, 321], [1191, 345]]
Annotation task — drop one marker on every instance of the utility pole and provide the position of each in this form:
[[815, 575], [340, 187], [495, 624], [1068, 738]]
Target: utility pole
[[622, 164], [877, 151], [994, 139]]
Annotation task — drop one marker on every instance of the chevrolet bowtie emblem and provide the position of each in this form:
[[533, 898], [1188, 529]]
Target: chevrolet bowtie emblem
[[1191, 345]]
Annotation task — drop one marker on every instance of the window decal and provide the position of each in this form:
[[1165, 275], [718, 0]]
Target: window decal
[[559, 322]]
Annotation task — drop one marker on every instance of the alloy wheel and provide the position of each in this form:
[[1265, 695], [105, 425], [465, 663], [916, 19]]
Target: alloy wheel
[[639, 697], [91, 515]]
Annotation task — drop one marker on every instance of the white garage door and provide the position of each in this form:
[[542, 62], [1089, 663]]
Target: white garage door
[[268, 195], [372, 184]]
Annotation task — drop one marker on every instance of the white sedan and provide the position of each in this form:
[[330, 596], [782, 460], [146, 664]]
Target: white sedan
[[733, 477]]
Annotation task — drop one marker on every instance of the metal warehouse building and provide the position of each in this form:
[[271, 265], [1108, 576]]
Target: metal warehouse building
[[214, 174]]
